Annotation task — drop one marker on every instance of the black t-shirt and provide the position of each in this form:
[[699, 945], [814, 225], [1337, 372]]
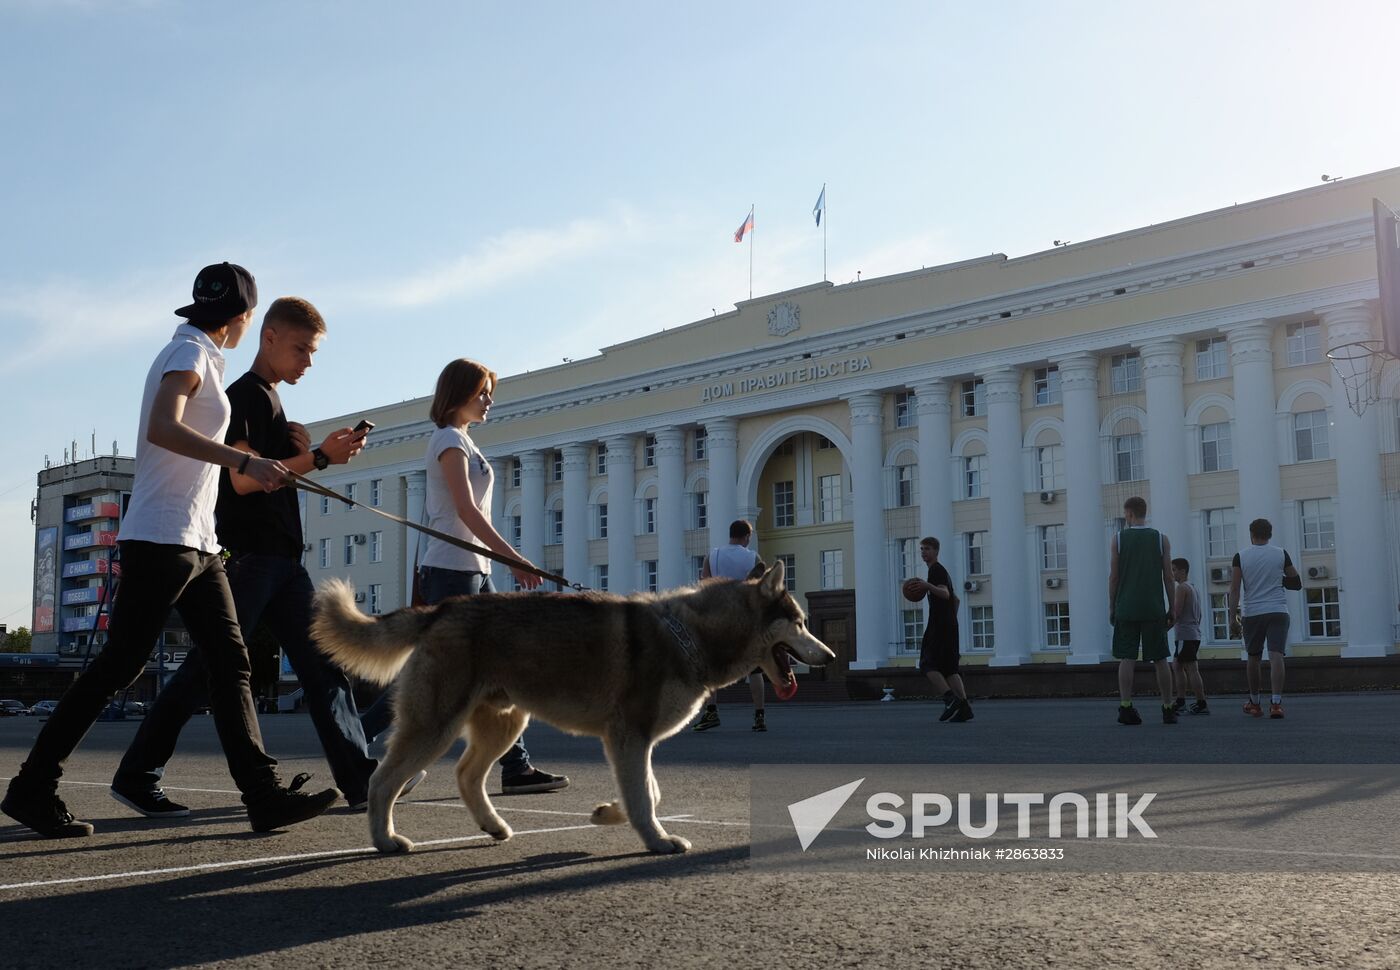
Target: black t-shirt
[[942, 614], [262, 522]]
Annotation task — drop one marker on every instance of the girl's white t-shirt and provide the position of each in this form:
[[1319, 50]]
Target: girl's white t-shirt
[[442, 514]]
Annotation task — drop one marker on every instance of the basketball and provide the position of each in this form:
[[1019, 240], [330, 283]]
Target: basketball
[[913, 590]]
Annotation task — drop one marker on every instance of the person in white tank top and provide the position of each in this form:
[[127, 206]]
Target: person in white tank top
[[735, 561]]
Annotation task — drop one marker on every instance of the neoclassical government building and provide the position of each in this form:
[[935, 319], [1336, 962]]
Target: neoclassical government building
[[1005, 406]]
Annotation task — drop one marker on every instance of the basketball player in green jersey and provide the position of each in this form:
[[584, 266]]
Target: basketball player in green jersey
[[1140, 590]]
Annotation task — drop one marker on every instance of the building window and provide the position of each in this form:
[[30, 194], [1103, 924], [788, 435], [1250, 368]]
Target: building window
[[1050, 466], [829, 488], [601, 518], [350, 494], [1052, 547], [1319, 529], [515, 473], [701, 510], [1212, 359], [376, 547], [1310, 436], [648, 515], [1220, 617], [913, 623], [649, 451], [349, 550], [376, 591], [976, 553], [600, 461], [376, 492], [701, 440], [833, 575], [823, 443], [1220, 534], [1127, 457], [649, 575], [783, 510], [983, 628], [325, 553], [325, 505], [904, 485], [1047, 386], [1324, 613], [556, 526], [557, 467], [1125, 373], [909, 561], [1304, 343], [974, 399], [789, 561], [974, 475], [904, 409], [1056, 625], [697, 566], [600, 577], [515, 531], [1217, 450]]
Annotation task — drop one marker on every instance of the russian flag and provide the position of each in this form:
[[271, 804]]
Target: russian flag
[[746, 226]]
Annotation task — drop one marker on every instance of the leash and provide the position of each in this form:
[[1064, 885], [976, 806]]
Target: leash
[[307, 485]]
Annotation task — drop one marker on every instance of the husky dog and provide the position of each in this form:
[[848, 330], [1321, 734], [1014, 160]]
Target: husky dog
[[630, 670]]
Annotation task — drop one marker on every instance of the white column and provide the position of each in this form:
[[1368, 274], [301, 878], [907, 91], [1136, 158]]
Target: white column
[[1086, 553], [1255, 438], [576, 459], [416, 490], [500, 468], [722, 449], [1166, 445], [622, 542], [872, 585], [532, 506], [931, 403], [1367, 602], [1011, 631], [670, 526]]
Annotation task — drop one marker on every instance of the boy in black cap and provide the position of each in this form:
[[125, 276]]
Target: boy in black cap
[[170, 559]]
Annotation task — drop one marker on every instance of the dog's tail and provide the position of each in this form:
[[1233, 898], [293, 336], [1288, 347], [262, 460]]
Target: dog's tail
[[371, 647]]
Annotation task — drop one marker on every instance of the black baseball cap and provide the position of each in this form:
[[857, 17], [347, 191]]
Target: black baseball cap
[[221, 292]]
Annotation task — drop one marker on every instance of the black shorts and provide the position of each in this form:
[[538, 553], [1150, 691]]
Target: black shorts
[[1186, 651], [939, 654]]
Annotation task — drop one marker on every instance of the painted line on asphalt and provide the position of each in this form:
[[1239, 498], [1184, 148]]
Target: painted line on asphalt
[[264, 860]]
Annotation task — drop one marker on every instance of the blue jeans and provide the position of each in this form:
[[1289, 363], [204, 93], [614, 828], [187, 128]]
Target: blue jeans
[[437, 585], [274, 590]]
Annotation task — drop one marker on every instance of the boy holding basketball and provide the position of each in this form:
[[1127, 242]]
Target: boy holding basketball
[[938, 654]]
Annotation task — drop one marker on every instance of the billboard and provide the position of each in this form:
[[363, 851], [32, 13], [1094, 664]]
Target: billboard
[[45, 578]]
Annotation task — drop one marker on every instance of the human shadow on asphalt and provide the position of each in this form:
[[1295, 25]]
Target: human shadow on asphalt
[[214, 916], [163, 832]]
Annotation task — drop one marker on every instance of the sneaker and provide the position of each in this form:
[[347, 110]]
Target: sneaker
[[1169, 714], [1276, 711], [362, 803], [1180, 705], [276, 807], [1253, 709], [533, 781], [962, 711], [950, 706], [1199, 707], [1128, 715], [758, 724], [152, 804], [710, 719], [43, 811]]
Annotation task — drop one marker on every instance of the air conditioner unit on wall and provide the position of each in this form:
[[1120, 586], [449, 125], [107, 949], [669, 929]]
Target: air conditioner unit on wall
[[1317, 572], [1047, 498], [1219, 574], [306, 547], [358, 538], [359, 597], [1054, 582], [972, 586]]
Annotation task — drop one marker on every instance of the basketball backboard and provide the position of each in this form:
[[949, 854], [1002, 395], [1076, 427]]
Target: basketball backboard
[[1388, 273]]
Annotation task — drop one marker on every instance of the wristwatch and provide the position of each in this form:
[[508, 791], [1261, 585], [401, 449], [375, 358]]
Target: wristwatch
[[321, 460]]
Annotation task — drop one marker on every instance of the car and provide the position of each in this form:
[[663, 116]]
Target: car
[[9, 708], [43, 708], [135, 709]]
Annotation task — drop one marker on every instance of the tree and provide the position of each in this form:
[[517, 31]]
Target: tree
[[20, 641]]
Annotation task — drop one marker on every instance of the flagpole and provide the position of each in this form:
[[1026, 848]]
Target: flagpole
[[824, 222], [752, 230]]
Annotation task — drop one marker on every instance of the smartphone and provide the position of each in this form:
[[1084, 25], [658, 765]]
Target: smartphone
[[364, 427]]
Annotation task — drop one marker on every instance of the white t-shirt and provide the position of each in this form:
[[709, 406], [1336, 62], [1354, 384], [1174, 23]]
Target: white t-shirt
[[442, 514], [172, 497], [732, 561], [1262, 570]]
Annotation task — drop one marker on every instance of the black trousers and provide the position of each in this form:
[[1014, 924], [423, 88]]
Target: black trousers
[[156, 579]]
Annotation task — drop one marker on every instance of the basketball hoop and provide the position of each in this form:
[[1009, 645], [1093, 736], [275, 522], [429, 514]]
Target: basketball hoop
[[1360, 365]]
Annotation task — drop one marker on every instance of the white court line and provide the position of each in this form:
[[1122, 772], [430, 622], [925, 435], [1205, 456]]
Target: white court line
[[243, 863]]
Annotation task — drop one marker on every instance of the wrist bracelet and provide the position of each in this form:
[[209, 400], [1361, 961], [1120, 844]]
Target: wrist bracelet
[[243, 466]]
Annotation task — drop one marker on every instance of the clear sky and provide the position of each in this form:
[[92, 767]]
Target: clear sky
[[522, 183]]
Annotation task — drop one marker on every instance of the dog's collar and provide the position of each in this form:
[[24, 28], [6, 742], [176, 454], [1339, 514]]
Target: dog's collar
[[682, 636]]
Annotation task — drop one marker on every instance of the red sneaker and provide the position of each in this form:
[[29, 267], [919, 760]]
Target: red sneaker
[[1254, 710], [1276, 711]]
